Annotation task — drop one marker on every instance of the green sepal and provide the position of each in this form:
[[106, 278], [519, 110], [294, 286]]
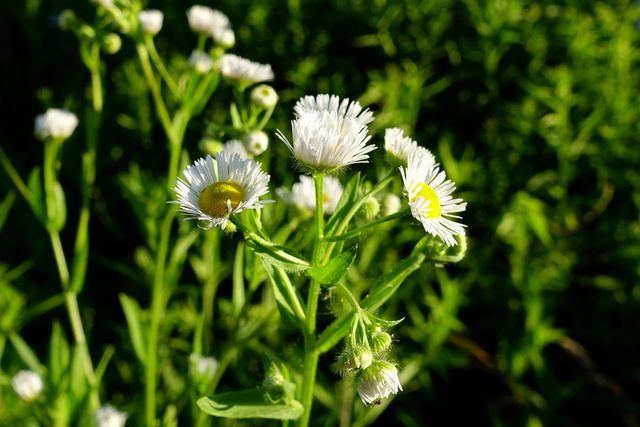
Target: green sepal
[[254, 403], [276, 255], [335, 269]]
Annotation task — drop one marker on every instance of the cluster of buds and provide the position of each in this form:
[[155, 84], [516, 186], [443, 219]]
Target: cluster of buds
[[364, 359]]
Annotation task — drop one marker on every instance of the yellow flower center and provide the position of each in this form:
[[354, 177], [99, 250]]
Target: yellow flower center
[[428, 194], [213, 199]]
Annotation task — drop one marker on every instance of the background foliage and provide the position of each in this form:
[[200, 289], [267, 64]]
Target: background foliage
[[530, 106]]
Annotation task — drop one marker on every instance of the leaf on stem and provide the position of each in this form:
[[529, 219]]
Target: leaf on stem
[[253, 403], [335, 269], [276, 255]]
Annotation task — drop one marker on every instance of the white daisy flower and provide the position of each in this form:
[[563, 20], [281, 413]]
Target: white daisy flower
[[234, 146], [213, 190], [27, 384], [55, 123], [430, 200], [332, 103], [303, 194], [243, 72], [150, 21], [203, 367], [256, 142], [325, 141], [201, 62], [108, 416], [264, 96], [224, 37], [377, 381], [204, 20], [399, 147]]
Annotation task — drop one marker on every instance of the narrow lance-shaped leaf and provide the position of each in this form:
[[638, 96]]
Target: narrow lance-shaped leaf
[[253, 403], [276, 255], [132, 314]]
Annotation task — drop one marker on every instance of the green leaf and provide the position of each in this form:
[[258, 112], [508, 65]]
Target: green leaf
[[58, 354], [276, 255], [249, 404], [334, 333], [349, 196], [25, 352], [37, 198], [56, 223], [132, 313], [282, 289], [5, 207], [335, 269]]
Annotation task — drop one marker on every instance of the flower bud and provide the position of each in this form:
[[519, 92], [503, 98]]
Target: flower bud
[[210, 146], [108, 416], [378, 381], [67, 19], [264, 96], [112, 43], [28, 385], [55, 123], [256, 142], [370, 208], [150, 21], [380, 340], [391, 204], [201, 62], [224, 37], [87, 32]]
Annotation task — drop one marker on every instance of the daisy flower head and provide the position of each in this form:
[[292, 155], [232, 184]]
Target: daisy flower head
[[242, 72], [377, 381], [204, 20], [214, 189], [399, 147], [55, 123], [235, 146], [332, 103], [303, 194], [329, 135], [27, 384], [429, 194], [108, 416], [201, 62], [150, 21]]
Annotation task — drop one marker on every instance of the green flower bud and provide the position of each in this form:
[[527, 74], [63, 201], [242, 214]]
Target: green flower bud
[[264, 96], [67, 19], [111, 43], [370, 208], [87, 32], [380, 340], [210, 146]]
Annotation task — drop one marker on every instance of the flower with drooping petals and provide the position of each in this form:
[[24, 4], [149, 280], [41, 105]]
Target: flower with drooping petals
[[241, 71], [55, 123], [214, 189], [150, 21], [377, 381], [303, 194], [204, 20], [399, 147], [429, 193]]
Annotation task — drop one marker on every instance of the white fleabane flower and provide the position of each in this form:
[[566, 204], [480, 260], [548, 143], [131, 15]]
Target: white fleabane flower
[[326, 142], [303, 194], [264, 96], [204, 20], [429, 194], [332, 103], [150, 21], [243, 72], [234, 146], [377, 381], [201, 61], [108, 416], [224, 37], [399, 147], [27, 384], [256, 142], [213, 190], [55, 123], [203, 367]]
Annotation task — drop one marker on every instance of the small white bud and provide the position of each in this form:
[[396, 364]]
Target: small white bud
[[256, 142], [28, 385]]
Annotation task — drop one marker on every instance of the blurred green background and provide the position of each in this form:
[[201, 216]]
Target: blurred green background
[[531, 107]]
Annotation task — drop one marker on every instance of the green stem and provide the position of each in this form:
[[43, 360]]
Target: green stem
[[354, 209], [359, 230], [157, 61], [158, 301], [346, 293], [311, 353], [15, 177]]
